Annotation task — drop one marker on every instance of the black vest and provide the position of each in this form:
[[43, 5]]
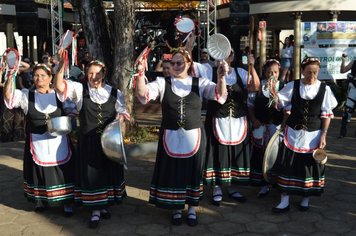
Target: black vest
[[236, 102], [265, 114], [95, 117], [305, 114], [182, 112], [35, 120]]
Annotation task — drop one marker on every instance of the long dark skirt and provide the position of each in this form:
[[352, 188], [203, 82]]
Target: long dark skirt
[[177, 181], [226, 164], [256, 174], [299, 174], [99, 181], [48, 186]]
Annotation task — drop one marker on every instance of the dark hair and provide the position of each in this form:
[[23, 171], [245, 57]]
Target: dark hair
[[271, 62]]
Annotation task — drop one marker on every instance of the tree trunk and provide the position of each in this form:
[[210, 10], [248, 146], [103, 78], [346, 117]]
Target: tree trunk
[[96, 32], [124, 46]]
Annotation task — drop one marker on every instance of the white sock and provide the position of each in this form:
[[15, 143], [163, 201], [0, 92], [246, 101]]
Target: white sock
[[305, 202], [264, 189], [284, 201], [95, 215], [191, 213], [217, 191], [104, 211], [177, 214], [237, 194]]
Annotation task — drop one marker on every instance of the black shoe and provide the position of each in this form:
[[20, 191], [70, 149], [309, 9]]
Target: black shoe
[[280, 210], [192, 222], [237, 198], [177, 220], [262, 195], [303, 208], [93, 224], [341, 137], [215, 202], [105, 215], [68, 213]]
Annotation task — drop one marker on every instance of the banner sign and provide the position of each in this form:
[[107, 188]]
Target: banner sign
[[330, 60], [328, 32]]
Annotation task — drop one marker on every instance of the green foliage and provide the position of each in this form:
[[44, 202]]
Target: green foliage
[[139, 134]]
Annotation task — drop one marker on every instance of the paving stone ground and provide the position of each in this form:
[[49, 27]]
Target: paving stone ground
[[334, 213]]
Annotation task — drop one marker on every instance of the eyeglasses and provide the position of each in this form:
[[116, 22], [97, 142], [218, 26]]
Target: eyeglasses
[[178, 63]]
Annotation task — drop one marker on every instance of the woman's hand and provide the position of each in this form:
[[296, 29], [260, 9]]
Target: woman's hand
[[223, 69], [120, 117], [251, 59]]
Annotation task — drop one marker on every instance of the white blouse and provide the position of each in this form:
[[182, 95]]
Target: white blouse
[[287, 52], [181, 88], [44, 102], [74, 92], [308, 92]]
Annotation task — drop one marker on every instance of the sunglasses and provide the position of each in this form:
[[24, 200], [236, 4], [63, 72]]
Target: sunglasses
[[178, 63]]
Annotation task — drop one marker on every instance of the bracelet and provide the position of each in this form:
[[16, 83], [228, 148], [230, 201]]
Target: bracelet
[[324, 131]]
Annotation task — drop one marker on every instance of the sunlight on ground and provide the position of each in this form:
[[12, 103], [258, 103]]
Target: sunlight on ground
[[11, 162], [342, 167]]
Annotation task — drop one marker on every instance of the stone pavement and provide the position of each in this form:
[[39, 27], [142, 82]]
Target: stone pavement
[[334, 213]]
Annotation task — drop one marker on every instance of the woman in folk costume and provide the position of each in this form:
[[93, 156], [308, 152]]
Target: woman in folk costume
[[177, 177], [265, 119], [48, 166], [309, 104], [227, 159], [99, 181]]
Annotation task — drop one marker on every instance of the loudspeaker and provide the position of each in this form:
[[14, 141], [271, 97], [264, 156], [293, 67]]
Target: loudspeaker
[[239, 17], [240, 6]]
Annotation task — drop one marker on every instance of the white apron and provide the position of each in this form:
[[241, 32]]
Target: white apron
[[230, 130], [301, 141], [181, 143], [50, 150]]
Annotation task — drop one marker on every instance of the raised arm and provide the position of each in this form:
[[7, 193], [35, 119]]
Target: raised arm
[[141, 88], [221, 90], [58, 83], [345, 68], [7, 87], [254, 84]]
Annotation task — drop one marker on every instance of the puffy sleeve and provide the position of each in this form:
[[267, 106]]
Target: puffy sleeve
[[285, 97], [120, 105], [244, 75], [73, 92], [208, 90], [19, 99], [154, 90], [329, 103]]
